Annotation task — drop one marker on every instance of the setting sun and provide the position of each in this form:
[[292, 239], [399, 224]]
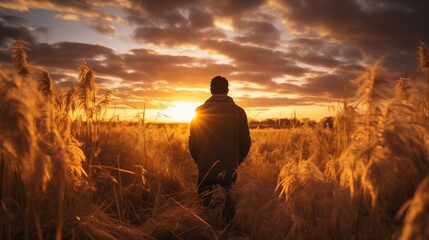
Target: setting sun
[[182, 111]]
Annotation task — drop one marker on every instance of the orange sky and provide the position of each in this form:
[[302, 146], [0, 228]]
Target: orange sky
[[279, 56]]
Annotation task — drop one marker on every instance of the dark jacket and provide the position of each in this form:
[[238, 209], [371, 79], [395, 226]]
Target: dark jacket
[[219, 138]]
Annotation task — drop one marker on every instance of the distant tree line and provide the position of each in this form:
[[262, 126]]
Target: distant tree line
[[326, 122]]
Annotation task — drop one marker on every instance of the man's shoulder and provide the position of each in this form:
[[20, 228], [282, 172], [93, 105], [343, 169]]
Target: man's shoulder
[[239, 109], [211, 105], [199, 108]]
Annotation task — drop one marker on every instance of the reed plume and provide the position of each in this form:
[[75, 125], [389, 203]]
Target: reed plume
[[20, 57], [70, 99], [18, 137], [103, 103], [86, 91], [423, 57], [417, 219], [403, 89]]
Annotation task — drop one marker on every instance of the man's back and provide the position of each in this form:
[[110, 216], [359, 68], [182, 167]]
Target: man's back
[[219, 138]]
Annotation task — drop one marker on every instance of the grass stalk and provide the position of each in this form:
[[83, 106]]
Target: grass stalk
[[38, 225], [359, 214], [2, 175], [60, 217], [121, 196]]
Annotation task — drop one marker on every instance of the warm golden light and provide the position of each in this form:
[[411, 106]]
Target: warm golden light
[[182, 111], [224, 23]]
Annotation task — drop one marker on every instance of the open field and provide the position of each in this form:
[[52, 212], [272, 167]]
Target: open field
[[366, 178]]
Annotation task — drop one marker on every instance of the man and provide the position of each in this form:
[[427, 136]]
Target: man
[[219, 139]]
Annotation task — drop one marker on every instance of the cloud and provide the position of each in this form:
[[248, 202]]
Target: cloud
[[185, 22], [306, 49], [317, 52], [159, 13], [272, 62], [258, 32], [162, 74], [326, 85], [19, 6], [200, 19], [11, 19], [68, 16], [376, 26], [346, 34], [132, 96], [261, 102], [67, 55], [235, 8], [11, 33], [85, 8], [177, 71], [138, 66], [41, 30], [174, 36], [64, 81], [103, 27]]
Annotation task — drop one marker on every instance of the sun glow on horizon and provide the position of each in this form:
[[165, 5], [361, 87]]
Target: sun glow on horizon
[[181, 111]]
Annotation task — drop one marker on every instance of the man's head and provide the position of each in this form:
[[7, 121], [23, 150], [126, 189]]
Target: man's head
[[219, 85]]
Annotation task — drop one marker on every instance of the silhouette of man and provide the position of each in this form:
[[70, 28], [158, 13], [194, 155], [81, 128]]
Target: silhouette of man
[[219, 139]]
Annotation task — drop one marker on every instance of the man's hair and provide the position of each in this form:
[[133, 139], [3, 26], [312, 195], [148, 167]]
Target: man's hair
[[219, 85]]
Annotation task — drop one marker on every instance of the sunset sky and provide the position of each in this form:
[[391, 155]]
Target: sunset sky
[[279, 56]]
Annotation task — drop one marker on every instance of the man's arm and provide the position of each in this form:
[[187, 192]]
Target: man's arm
[[244, 137], [193, 142]]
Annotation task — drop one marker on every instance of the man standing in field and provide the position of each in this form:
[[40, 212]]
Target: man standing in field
[[219, 139]]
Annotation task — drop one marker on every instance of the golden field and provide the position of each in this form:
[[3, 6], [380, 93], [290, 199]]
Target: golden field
[[87, 178]]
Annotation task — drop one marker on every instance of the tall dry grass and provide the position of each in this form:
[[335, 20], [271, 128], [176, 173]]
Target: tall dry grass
[[41, 165], [364, 179]]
